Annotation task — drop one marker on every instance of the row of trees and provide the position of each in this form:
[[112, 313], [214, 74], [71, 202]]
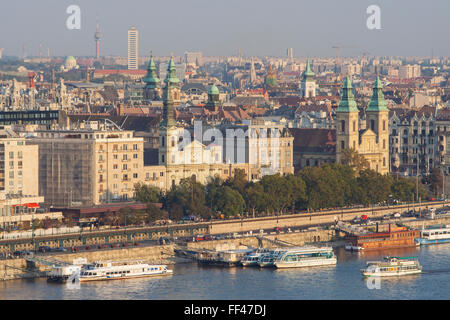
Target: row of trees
[[312, 188]]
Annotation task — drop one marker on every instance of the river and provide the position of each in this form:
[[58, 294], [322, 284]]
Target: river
[[190, 281]]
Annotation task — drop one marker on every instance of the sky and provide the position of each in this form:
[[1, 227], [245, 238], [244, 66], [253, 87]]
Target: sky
[[220, 28]]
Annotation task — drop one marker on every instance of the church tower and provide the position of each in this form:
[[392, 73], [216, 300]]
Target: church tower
[[308, 84], [168, 130], [347, 121], [270, 81], [213, 98], [152, 83], [377, 120]]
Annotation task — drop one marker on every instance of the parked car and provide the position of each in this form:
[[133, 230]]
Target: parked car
[[44, 249], [199, 237], [220, 237], [59, 249]]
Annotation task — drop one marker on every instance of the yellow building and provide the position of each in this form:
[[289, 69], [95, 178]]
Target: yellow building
[[372, 142], [18, 165], [94, 164]]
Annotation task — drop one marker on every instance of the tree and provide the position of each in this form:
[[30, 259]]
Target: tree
[[146, 193], [255, 197], [436, 181], [230, 202], [356, 161], [376, 187], [153, 213], [238, 181], [187, 199], [213, 193]]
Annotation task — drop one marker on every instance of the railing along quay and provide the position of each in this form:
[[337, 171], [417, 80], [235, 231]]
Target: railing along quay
[[200, 227]]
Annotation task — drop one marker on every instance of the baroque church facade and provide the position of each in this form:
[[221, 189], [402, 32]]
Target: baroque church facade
[[372, 142]]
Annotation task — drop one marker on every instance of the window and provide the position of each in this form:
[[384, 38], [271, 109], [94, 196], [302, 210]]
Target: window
[[342, 145], [372, 125], [11, 155], [135, 146], [135, 156], [125, 167], [125, 157], [354, 126], [19, 154], [115, 166], [125, 147], [343, 125], [384, 125], [135, 175], [115, 157]]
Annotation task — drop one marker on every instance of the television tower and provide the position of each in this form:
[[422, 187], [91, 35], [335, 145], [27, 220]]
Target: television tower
[[97, 37]]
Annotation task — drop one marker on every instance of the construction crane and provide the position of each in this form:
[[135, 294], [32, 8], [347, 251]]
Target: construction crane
[[338, 51]]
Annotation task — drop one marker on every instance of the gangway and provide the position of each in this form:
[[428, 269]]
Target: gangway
[[350, 229], [276, 242], [50, 262]]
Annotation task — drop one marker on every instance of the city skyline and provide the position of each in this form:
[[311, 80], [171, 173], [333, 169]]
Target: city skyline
[[221, 29]]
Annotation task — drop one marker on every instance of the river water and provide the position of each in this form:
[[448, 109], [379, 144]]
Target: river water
[[190, 281]]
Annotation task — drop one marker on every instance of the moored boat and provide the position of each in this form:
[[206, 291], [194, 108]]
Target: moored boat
[[434, 234], [392, 266], [267, 259], [116, 270], [307, 256], [62, 273], [252, 258]]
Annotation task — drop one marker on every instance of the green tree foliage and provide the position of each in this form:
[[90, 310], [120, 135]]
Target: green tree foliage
[[373, 187], [230, 202], [256, 199], [328, 186], [356, 161], [146, 193], [187, 199], [436, 181]]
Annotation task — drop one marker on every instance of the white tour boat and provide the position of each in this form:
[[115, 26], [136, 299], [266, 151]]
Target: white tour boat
[[434, 234], [306, 256], [116, 270], [267, 259], [392, 266], [252, 259]]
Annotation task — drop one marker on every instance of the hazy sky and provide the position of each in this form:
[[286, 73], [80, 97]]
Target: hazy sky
[[259, 27]]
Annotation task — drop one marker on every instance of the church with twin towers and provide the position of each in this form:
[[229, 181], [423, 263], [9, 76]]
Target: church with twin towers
[[371, 142]]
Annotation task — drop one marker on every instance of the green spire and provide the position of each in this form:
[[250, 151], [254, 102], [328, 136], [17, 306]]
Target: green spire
[[377, 102], [171, 77], [213, 97], [172, 82], [213, 90], [151, 79], [347, 103], [308, 74]]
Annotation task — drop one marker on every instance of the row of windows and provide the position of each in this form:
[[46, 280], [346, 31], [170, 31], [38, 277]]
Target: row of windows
[[116, 157]]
